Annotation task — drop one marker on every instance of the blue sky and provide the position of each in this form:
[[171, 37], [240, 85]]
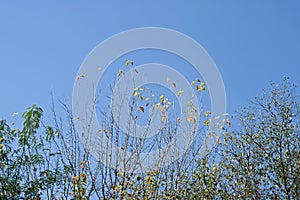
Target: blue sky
[[43, 43]]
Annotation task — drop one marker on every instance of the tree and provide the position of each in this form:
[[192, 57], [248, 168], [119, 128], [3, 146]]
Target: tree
[[261, 157], [257, 157], [28, 163]]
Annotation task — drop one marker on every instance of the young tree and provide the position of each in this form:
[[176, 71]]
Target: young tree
[[261, 157], [29, 165]]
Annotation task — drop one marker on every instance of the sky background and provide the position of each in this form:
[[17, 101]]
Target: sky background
[[43, 43]]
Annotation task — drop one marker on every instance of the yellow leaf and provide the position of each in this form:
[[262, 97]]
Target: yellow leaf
[[76, 178], [161, 96], [146, 98], [206, 123], [167, 80], [228, 122], [127, 62], [178, 120], [163, 101], [135, 93], [193, 82], [207, 113], [83, 176], [136, 88], [180, 93], [190, 118], [81, 76], [120, 73], [163, 118]]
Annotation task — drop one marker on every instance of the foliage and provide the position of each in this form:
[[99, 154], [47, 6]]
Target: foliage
[[258, 157], [261, 158], [28, 165]]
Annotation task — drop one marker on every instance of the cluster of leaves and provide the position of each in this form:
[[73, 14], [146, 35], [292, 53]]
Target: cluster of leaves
[[262, 156], [25, 159], [258, 157], [32, 166]]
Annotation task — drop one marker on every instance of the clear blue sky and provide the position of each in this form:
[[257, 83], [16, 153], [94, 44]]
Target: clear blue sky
[[43, 43]]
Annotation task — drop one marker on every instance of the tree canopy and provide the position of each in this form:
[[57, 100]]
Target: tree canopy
[[257, 157]]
